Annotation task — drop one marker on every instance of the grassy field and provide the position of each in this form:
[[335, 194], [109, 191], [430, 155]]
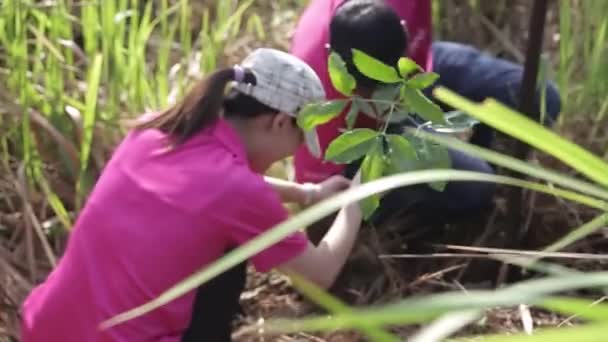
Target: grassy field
[[73, 73]]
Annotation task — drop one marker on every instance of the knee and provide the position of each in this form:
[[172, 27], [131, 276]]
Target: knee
[[452, 47], [452, 55]]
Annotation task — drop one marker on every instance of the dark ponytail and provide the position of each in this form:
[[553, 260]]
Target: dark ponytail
[[201, 107]]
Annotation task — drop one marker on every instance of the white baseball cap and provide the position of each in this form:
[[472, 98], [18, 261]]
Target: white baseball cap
[[285, 83]]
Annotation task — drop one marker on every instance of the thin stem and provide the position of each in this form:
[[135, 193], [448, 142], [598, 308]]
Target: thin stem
[[392, 103], [388, 119]]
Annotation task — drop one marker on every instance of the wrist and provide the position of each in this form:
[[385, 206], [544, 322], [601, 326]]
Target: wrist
[[310, 193]]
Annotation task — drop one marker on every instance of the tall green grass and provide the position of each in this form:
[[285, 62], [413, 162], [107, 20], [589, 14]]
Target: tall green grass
[[578, 65], [136, 56], [582, 69]]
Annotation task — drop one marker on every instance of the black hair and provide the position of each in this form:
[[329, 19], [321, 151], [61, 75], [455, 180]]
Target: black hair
[[372, 27], [239, 105], [203, 105]]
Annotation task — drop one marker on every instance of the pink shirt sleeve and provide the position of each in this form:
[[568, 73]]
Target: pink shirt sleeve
[[260, 209]]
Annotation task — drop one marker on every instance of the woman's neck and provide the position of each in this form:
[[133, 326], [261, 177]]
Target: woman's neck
[[249, 140]]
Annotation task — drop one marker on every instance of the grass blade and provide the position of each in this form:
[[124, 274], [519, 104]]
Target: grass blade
[[515, 164], [334, 305], [589, 333], [88, 121], [579, 233], [591, 311], [517, 125], [423, 308], [303, 219], [445, 326]]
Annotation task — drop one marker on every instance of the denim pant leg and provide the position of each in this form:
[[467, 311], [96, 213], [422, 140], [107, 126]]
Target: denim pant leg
[[477, 76], [458, 199]]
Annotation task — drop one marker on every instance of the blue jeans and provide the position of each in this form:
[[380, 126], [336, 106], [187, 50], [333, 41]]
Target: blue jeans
[[476, 76]]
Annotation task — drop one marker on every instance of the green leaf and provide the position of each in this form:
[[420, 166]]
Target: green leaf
[[399, 115], [88, 122], [431, 156], [456, 122], [401, 153], [407, 66], [519, 126], [438, 156], [351, 116], [415, 100], [424, 80], [365, 107], [440, 159], [351, 145], [90, 109], [54, 200], [372, 168], [458, 117], [254, 24], [338, 73], [514, 164], [374, 68], [387, 93], [386, 96], [315, 114]]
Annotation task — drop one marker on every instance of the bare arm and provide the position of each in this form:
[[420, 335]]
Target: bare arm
[[289, 191], [322, 264], [307, 194]]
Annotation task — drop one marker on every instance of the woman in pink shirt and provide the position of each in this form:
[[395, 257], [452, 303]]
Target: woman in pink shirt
[[183, 188]]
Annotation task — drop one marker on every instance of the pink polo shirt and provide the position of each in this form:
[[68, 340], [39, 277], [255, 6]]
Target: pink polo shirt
[[309, 41], [154, 218]]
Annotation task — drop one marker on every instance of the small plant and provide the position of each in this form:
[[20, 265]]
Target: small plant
[[398, 100]]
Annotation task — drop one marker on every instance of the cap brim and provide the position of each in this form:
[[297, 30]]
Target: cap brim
[[312, 143]]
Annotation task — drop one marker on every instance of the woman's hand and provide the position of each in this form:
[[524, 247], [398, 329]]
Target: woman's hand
[[308, 193], [332, 186], [317, 192]]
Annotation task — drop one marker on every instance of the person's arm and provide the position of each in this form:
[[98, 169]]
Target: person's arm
[[322, 264], [308, 193], [292, 192]]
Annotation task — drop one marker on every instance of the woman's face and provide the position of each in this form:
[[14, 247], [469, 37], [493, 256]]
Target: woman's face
[[287, 135], [277, 137]]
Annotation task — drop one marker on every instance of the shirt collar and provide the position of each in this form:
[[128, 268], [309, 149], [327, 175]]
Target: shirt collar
[[225, 133]]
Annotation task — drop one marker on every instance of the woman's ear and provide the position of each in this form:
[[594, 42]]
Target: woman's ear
[[280, 120], [266, 122]]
